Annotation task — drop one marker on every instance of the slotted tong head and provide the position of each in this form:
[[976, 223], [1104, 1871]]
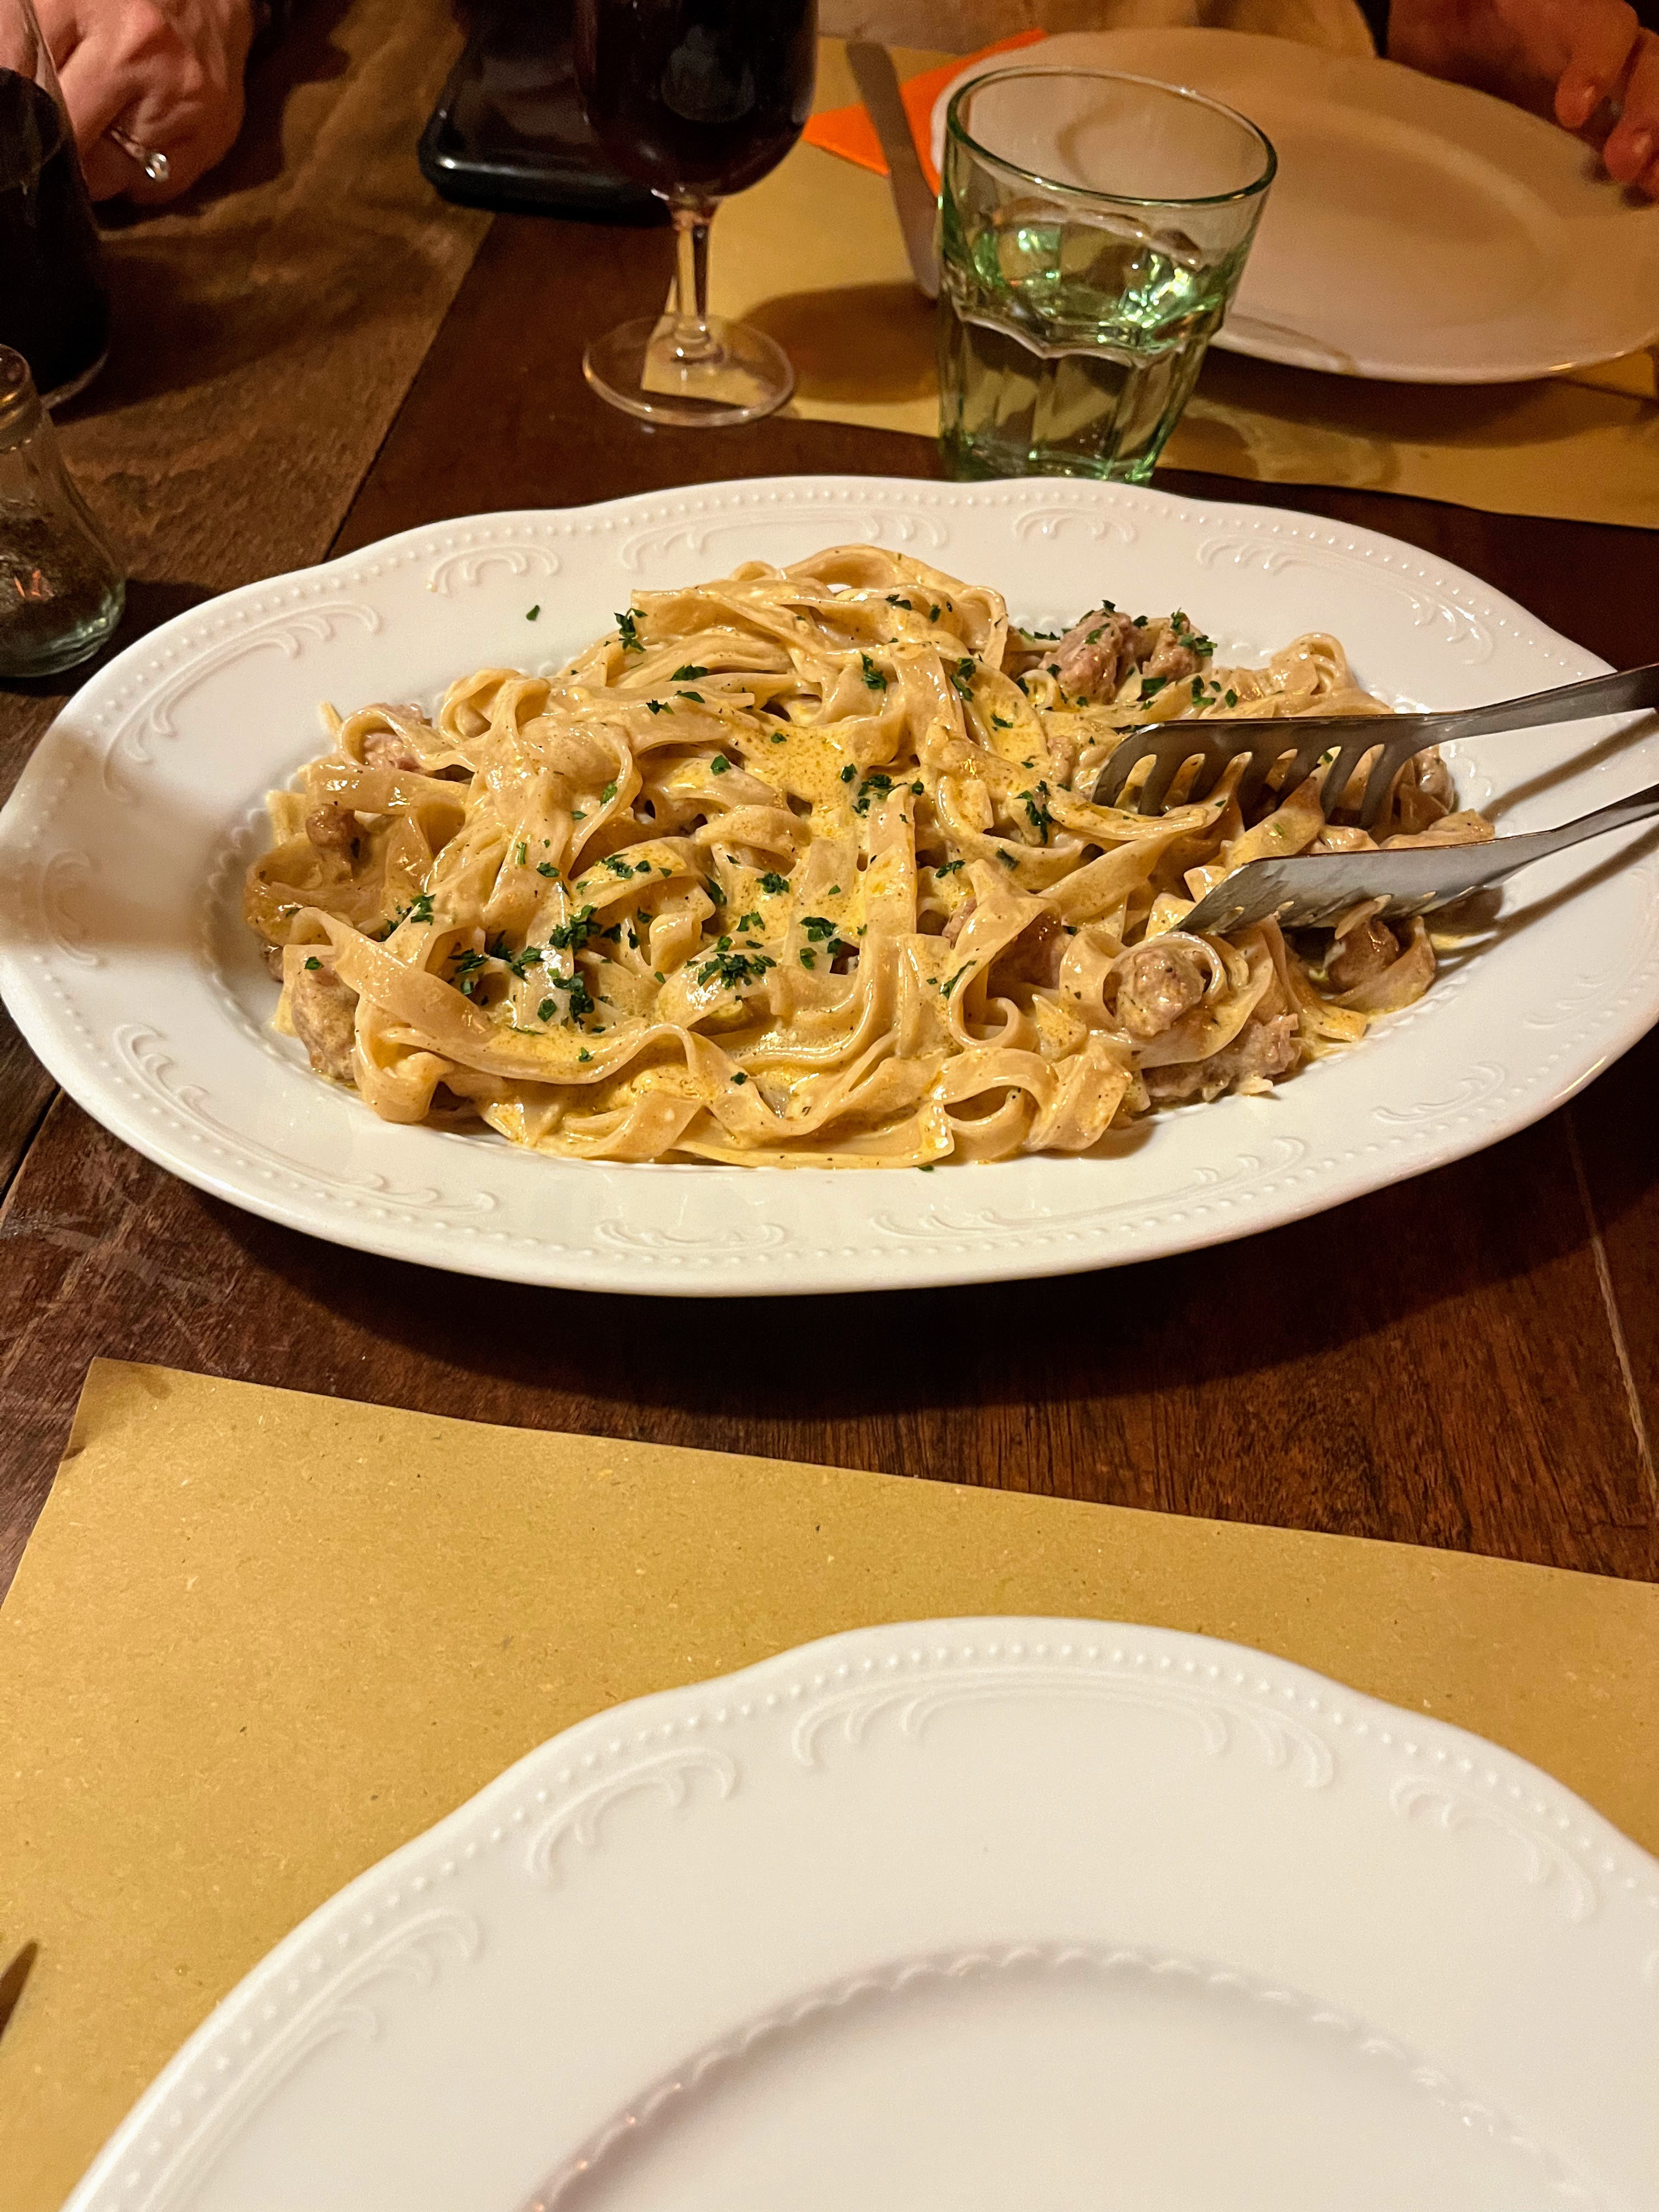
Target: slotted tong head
[[1307, 738]]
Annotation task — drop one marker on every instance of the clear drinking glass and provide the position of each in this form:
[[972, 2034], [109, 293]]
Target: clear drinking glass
[[697, 99], [53, 308], [1093, 230], [61, 586]]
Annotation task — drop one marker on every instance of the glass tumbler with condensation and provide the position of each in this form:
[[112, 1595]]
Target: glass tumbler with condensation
[[1093, 230]]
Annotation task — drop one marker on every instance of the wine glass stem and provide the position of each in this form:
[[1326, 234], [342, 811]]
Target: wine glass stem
[[693, 339]]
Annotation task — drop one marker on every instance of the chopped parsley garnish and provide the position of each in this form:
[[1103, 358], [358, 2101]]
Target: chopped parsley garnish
[[580, 998], [688, 674], [962, 675], [876, 785], [657, 707], [847, 774], [545, 868], [643, 868], [422, 909], [1008, 860], [932, 614], [950, 868], [748, 921], [946, 988], [715, 892], [607, 794], [998, 723], [465, 977], [1184, 634], [838, 948], [808, 959], [1152, 685], [313, 963], [628, 630], [894, 600], [816, 928], [616, 865], [534, 611], [523, 855], [1036, 812], [571, 936], [697, 695], [872, 675], [740, 1077], [583, 1053], [1231, 699], [720, 764], [772, 882], [611, 935], [734, 969]]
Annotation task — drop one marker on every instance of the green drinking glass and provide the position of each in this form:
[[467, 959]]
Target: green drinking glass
[[1093, 228]]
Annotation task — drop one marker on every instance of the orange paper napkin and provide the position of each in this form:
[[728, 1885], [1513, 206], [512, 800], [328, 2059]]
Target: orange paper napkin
[[849, 132]]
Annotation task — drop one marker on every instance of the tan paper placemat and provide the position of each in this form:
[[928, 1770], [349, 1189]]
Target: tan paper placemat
[[259, 1639], [814, 254]]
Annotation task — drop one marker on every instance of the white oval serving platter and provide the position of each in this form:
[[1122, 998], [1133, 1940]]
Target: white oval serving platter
[[125, 963]]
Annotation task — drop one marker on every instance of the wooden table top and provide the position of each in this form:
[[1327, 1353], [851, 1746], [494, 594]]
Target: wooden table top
[[1469, 1359]]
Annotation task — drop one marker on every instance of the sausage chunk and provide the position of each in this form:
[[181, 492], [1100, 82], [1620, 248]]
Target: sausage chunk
[[1159, 981], [323, 1012]]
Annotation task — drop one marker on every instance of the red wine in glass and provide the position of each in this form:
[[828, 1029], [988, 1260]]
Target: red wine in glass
[[697, 99], [53, 308]]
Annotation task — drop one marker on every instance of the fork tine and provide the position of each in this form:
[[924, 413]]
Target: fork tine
[[1389, 762], [1340, 775], [1167, 764], [1108, 784]]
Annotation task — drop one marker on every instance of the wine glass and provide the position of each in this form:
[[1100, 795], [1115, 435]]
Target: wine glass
[[697, 99]]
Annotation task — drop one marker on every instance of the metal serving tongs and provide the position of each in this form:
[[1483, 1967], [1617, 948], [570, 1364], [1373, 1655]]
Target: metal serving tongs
[[1312, 889], [1309, 738]]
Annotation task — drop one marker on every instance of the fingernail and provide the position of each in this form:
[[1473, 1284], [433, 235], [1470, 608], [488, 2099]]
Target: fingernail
[[1575, 102]]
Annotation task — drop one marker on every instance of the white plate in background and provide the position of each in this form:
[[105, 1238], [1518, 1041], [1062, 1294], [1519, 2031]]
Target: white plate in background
[[123, 959], [1416, 231], [956, 1916]]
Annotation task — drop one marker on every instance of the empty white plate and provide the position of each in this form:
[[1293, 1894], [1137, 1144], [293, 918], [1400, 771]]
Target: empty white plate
[[957, 1916], [1416, 231]]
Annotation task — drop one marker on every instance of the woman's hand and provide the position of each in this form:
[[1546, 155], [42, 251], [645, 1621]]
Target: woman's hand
[[170, 72], [1574, 60]]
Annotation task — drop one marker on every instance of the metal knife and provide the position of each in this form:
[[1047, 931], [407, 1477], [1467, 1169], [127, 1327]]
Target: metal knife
[[878, 88]]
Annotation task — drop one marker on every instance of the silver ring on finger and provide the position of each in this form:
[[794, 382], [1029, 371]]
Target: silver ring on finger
[[154, 163]]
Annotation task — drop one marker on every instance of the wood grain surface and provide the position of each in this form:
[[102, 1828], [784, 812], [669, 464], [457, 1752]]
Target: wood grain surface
[[1469, 1359]]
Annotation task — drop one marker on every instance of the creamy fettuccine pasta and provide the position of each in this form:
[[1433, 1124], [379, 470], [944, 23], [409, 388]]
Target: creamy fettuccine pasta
[[802, 866]]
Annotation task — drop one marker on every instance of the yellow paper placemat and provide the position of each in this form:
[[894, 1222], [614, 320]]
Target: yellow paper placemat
[[259, 1639], [814, 255]]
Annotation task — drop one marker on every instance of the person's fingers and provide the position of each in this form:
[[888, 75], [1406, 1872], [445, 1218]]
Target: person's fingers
[[108, 170], [98, 85], [190, 158], [61, 27], [1601, 36], [1634, 139]]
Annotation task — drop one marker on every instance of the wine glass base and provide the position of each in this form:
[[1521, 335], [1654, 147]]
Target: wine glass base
[[639, 368]]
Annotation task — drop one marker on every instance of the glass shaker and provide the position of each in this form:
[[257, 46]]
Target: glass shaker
[[53, 307], [61, 588]]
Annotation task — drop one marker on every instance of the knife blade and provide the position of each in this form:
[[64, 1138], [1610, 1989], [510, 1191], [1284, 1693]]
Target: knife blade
[[878, 88]]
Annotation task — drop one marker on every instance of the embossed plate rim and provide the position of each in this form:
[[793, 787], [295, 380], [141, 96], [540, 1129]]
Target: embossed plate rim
[[225, 1109], [1301, 1738]]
